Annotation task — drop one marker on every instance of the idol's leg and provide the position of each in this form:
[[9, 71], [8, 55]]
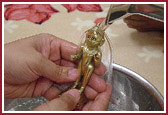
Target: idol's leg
[[78, 80], [88, 72]]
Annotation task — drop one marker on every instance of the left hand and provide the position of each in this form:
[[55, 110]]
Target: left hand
[[33, 64]]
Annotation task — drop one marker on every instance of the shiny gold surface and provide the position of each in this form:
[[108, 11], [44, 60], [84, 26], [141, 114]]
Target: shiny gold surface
[[89, 56]]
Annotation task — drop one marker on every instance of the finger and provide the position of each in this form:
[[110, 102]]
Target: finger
[[136, 18], [144, 8], [40, 87], [97, 83], [146, 28], [53, 47], [100, 70], [67, 63], [143, 24], [68, 49], [136, 23], [61, 49], [19, 91], [141, 29], [132, 26], [65, 102], [58, 62], [87, 106], [44, 67], [90, 93], [102, 100], [44, 87], [52, 93]]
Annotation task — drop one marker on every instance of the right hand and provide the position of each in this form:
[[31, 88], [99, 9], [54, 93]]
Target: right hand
[[100, 102], [69, 100], [142, 23]]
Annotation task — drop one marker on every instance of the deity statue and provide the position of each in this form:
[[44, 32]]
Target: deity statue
[[89, 56]]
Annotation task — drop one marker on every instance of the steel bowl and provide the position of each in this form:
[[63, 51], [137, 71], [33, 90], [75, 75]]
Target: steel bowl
[[130, 92]]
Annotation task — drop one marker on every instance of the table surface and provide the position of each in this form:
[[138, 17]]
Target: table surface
[[142, 52]]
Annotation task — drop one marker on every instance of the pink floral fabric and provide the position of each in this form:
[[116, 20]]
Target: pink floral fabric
[[36, 13], [83, 7], [39, 13]]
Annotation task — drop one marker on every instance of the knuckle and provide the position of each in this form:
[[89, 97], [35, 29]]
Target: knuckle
[[58, 74]]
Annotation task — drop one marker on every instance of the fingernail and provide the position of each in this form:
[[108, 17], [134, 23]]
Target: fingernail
[[75, 93], [73, 73]]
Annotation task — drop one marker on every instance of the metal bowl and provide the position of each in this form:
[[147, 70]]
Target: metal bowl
[[130, 92]]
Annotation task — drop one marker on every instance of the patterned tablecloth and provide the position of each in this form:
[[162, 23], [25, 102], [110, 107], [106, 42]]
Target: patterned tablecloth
[[142, 52]]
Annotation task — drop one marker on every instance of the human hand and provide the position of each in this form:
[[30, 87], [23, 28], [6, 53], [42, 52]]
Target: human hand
[[64, 102], [100, 102], [33, 64], [142, 23]]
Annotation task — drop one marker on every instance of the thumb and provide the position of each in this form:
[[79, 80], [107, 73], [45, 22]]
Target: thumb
[[65, 102], [46, 68]]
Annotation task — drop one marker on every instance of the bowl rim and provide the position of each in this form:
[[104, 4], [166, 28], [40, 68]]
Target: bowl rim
[[142, 81]]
